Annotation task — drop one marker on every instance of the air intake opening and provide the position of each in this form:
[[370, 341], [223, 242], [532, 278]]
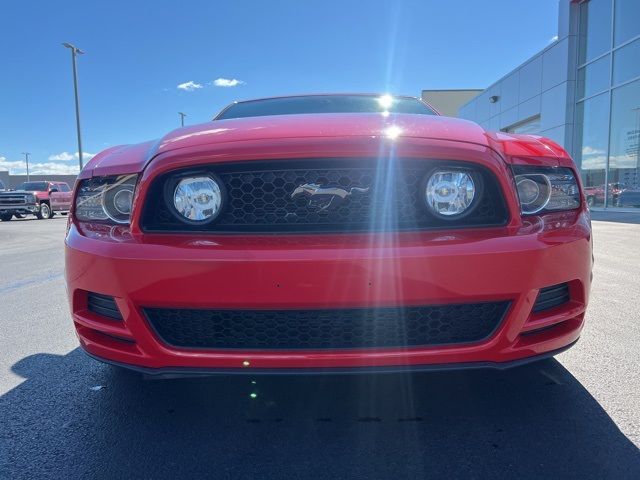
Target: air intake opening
[[352, 328], [103, 305], [552, 297]]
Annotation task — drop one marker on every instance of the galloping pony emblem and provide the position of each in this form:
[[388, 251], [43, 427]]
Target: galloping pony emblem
[[325, 198]]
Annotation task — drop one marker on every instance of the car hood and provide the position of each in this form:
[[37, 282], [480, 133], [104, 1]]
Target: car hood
[[324, 125], [133, 158]]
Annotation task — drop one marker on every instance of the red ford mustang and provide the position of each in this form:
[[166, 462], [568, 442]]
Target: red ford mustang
[[328, 233]]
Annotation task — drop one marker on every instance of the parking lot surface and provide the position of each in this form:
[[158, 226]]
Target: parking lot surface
[[63, 415]]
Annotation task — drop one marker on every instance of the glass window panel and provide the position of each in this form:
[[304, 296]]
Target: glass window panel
[[626, 63], [592, 123], [627, 20], [594, 77], [595, 29], [624, 174]]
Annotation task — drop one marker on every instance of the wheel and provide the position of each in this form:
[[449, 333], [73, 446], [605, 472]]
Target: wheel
[[44, 212], [5, 217], [591, 201]]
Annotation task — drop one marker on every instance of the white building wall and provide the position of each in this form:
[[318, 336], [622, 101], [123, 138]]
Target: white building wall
[[542, 86]]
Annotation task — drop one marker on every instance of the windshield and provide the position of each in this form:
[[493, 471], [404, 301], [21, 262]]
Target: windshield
[[33, 186], [383, 104]]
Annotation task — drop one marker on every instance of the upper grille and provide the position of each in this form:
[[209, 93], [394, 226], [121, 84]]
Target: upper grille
[[354, 328], [384, 196], [13, 199]]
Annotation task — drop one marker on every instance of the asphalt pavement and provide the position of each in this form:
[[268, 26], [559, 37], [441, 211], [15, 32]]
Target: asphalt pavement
[[63, 415]]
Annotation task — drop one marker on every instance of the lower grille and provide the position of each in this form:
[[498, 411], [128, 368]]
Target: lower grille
[[327, 329], [551, 297], [103, 305]]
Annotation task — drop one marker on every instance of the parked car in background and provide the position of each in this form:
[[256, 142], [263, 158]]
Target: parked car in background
[[41, 199], [595, 194], [629, 198]]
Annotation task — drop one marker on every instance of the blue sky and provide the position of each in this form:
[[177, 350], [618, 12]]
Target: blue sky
[[138, 53]]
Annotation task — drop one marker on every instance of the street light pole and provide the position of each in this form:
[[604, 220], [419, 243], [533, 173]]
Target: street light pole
[[26, 159], [74, 52], [182, 115]]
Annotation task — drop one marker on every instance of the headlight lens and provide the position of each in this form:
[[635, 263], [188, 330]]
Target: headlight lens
[[197, 199], [450, 193], [106, 199], [546, 189]]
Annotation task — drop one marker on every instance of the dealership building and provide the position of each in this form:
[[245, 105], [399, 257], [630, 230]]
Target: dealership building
[[583, 91]]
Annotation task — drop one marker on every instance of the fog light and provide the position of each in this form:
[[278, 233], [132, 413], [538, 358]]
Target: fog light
[[197, 199], [449, 193]]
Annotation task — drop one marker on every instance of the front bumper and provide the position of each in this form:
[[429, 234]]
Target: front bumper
[[23, 209], [330, 271]]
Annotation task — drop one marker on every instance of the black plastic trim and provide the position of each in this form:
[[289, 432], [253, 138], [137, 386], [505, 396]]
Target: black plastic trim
[[103, 305], [173, 372], [552, 297]]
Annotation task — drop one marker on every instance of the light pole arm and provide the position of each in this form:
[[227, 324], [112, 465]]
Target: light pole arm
[[74, 53], [75, 91]]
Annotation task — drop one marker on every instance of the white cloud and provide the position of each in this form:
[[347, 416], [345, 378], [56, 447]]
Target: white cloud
[[11, 165], [66, 156], [553, 39], [587, 150], [189, 86], [227, 82], [19, 167], [52, 168]]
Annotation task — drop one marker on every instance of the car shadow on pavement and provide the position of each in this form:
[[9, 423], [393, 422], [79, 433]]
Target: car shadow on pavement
[[73, 417]]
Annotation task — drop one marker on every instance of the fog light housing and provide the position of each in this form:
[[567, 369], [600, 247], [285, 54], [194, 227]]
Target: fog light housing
[[450, 193], [196, 199]]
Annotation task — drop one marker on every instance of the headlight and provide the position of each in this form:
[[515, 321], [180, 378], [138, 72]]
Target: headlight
[[546, 189], [105, 199], [450, 193], [196, 199]]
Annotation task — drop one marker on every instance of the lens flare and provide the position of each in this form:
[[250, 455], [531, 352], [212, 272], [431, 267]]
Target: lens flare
[[393, 132], [385, 101]]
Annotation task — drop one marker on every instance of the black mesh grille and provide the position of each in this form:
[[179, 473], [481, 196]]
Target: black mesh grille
[[9, 199], [103, 305], [327, 329], [551, 297], [259, 198]]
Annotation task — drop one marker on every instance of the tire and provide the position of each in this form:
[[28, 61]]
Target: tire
[[18, 215], [591, 201], [63, 213], [5, 217], [44, 212]]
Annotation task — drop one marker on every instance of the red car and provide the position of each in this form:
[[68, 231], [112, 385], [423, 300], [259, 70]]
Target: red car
[[328, 233]]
